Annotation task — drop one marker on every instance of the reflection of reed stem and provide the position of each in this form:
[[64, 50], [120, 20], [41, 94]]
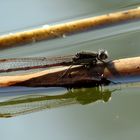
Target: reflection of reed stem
[[63, 29]]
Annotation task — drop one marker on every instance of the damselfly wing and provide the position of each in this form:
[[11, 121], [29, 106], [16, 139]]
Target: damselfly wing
[[17, 64]]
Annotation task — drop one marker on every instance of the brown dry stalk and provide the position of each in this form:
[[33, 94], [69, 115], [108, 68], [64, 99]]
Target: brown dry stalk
[[122, 67], [63, 29]]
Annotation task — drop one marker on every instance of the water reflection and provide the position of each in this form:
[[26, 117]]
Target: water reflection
[[33, 103]]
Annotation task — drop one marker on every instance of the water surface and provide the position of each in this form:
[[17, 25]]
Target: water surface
[[115, 118]]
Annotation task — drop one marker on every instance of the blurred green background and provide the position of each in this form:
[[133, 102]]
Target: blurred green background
[[116, 119]]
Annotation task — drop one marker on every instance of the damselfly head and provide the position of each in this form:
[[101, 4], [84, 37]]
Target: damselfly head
[[102, 54]]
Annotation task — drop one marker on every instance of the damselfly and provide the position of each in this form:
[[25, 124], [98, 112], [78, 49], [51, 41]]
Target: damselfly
[[81, 58]]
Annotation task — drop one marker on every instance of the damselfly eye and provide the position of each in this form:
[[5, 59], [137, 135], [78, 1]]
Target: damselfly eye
[[102, 54]]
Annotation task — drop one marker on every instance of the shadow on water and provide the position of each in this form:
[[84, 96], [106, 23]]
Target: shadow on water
[[33, 103]]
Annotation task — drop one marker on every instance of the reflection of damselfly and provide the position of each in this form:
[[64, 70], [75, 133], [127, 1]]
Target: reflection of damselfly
[[33, 103], [82, 58]]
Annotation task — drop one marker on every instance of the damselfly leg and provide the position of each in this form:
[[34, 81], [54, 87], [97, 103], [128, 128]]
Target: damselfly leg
[[65, 72]]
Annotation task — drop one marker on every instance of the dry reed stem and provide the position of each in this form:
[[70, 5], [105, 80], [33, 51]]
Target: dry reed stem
[[60, 30]]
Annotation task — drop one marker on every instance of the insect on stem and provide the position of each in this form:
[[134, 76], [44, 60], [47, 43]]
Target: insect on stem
[[87, 59]]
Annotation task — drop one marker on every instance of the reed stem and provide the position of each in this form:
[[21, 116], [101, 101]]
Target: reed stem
[[64, 29]]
